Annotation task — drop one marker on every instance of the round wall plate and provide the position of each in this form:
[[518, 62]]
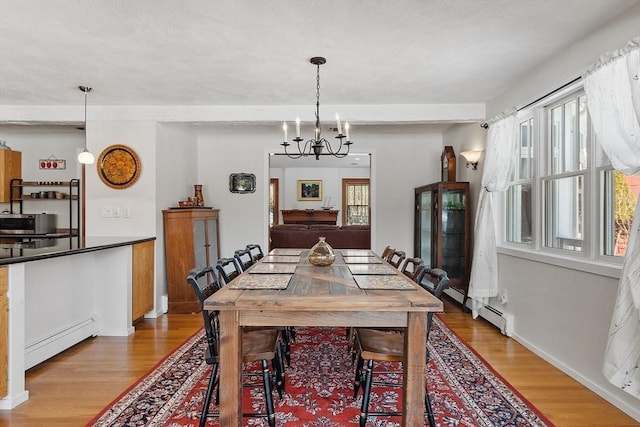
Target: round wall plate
[[118, 166]]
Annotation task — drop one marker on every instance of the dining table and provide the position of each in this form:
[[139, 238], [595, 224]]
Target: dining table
[[358, 290]]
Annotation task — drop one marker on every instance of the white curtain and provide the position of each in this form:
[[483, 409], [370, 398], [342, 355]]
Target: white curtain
[[498, 164], [612, 88]]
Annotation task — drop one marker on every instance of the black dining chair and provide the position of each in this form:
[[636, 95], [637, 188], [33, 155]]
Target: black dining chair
[[229, 269], [379, 345], [257, 346], [256, 251], [244, 258]]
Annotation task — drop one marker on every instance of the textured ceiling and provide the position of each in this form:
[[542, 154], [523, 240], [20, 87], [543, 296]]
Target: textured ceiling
[[160, 52]]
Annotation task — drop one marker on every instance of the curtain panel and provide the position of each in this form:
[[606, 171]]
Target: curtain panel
[[612, 88], [499, 161]]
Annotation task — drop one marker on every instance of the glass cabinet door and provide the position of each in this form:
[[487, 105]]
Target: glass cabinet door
[[425, 213], [453, 227]]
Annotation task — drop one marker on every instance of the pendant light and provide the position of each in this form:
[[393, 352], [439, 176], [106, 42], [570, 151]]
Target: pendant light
[[85, 157]]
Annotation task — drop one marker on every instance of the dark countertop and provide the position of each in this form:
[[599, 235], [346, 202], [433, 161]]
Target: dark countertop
[[38, 249]]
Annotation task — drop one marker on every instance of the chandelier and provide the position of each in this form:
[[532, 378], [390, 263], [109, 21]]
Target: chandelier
[[318, 145]]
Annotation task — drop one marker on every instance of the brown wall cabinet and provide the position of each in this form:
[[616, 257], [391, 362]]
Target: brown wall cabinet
[[10, 168], [442, 236], [191, 239], [143, 276]]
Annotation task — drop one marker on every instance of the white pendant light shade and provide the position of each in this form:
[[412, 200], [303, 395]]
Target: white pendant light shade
[[85, 157]]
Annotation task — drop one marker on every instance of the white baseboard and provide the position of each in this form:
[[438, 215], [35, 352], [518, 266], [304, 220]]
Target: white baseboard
[[11, 402], [42, 350], [502, 320], [632, 411]]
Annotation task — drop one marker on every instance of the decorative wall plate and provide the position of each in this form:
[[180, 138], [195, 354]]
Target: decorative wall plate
[[242, 183], [118, 166]]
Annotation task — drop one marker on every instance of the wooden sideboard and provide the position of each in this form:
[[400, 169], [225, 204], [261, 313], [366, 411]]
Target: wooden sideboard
[[191, 239], [310, 216]]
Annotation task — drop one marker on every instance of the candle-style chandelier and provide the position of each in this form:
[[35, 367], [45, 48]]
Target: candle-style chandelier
[[318, 145]]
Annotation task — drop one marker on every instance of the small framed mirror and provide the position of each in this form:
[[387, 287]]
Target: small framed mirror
[[242, 183]]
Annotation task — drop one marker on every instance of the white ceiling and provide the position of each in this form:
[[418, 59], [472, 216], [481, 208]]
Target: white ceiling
[[198, 52]]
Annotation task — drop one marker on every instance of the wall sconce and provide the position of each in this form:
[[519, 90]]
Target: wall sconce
[[472, 158]]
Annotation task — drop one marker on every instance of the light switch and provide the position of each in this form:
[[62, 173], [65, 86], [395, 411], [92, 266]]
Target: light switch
[[107, 212]]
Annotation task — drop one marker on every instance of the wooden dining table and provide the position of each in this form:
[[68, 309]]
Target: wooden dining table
[[358, 289]]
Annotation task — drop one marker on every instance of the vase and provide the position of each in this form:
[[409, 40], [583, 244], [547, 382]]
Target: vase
[[321, 254], [198, 195]]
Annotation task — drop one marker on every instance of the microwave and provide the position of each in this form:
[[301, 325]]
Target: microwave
[[27, 223]]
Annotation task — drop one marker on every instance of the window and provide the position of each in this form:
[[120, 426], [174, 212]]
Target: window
[[564, 186], [355, 201], [519, 193]]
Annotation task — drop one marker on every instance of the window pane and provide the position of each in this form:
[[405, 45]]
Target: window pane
[[564, 228], [620, 198], [519, 213], [568, 136], [524, 160], [357, 204]]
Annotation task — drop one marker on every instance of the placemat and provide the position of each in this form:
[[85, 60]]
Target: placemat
[[286, 252], [357, 252], [384, 282], [281, 258], [361, 260], [260, 281], [266, 268], [372, 269]]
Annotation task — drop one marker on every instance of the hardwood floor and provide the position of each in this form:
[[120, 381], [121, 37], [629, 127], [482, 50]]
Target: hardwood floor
[[71, 388]]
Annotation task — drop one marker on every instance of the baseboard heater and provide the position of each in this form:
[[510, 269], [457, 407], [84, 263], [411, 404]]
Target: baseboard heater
[[501, 320]]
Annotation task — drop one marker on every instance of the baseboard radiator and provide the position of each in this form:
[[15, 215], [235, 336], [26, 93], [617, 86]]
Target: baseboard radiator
[[502, 320]]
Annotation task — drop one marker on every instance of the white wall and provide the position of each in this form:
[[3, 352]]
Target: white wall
[[560, 313], [176, 173], [403, 157], [43, 142]]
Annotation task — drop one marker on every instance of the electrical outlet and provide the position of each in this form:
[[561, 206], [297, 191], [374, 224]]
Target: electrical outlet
[[125, 212], [106, 212], [504, 297]]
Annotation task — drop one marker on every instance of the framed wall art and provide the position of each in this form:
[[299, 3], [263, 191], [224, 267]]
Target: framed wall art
[[242, 183], [118, 166], [309, 191]]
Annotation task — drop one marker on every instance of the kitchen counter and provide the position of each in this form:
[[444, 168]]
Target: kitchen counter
[[13, 250], [62, 291]]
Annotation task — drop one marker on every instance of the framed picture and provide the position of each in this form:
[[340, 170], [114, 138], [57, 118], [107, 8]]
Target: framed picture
[[309, 191], [242, 183]]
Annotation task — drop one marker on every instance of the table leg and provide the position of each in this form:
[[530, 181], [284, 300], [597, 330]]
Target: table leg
[[414, 369], [230, 369]]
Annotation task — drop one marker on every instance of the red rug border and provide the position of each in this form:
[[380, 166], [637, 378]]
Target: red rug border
[[143, 376], [497, 374]]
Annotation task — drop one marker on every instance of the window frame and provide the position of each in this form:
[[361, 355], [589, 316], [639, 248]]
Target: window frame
[[354, 181], [592, 258]]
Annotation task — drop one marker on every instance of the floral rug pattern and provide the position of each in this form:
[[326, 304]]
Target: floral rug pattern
[[464, 390]]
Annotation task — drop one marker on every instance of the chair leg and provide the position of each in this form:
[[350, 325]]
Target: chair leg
[[268, 397], [427, 404], [286, 338], [278, 368], [364, 409], [358, 378], [207, 399]]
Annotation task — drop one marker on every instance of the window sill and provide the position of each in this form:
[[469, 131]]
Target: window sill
[[580, 264]]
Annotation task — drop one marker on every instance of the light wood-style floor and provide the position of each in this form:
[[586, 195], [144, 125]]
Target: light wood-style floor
[[71, 388]]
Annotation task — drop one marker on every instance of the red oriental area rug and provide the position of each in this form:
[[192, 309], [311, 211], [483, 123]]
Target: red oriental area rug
[[464, 390]]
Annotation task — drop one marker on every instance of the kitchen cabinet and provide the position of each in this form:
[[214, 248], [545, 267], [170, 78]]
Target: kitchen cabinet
[[142, 280], [191, 239], [10, 168], [442, 235]]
